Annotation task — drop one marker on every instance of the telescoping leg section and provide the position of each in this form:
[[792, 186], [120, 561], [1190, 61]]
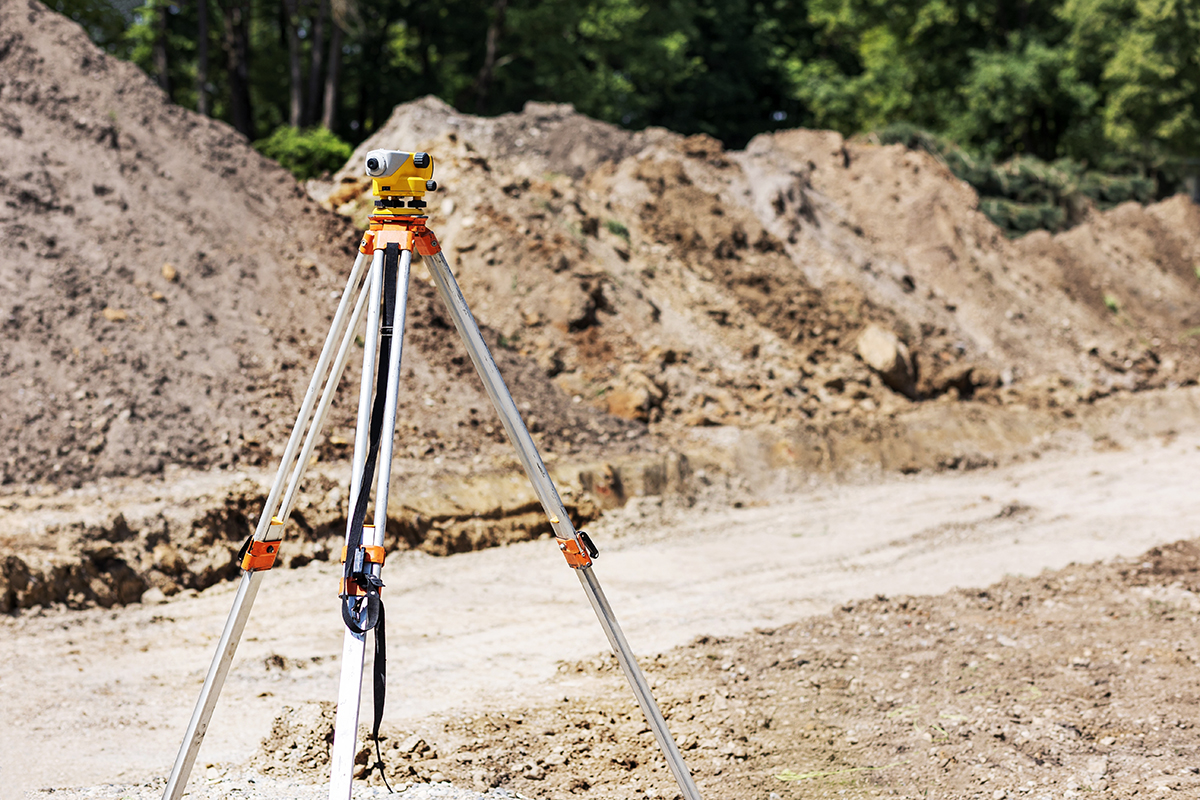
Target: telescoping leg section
[[396, 232]]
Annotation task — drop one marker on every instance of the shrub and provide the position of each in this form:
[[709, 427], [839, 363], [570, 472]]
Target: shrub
[[305, 153], [1025, 193]]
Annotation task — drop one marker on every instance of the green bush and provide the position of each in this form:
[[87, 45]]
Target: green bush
[[305, 153], [1020, 218], [1025, 193]]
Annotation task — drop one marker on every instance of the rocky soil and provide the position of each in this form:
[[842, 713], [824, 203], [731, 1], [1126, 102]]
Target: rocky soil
[[1077, 683]]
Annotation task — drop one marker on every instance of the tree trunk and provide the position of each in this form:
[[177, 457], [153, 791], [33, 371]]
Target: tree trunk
[[237, 49], [484, 80], [161, 63], [291, 20], [202, 57], [312, 103], [329, 114]]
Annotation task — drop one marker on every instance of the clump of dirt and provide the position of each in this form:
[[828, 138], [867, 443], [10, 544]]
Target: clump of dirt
[[1074, 682], [299, 741], [164, 289]]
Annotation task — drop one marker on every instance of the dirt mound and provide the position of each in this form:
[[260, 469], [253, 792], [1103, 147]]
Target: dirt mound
[[165, 289], [1106, 305], [299, 741], [682, 285], [546, 138]]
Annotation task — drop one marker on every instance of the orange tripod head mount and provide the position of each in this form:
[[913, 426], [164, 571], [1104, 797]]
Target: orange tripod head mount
[[399, 180]]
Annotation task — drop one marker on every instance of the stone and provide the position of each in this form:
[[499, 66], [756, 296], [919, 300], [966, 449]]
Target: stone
[[629, 403], [636, 396], [883, 352]]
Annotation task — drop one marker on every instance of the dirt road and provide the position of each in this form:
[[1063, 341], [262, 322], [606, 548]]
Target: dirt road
[[486, 630]]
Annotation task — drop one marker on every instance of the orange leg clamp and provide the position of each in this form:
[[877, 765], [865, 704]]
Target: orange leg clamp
[[367, 246], [576, 558], [260, 556], [427, 243], [373, 555]]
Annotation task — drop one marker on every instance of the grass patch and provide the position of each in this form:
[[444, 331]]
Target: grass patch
[[617, 228]]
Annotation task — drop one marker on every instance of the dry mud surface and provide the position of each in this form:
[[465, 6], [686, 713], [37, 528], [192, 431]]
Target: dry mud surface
[[1033, 678]]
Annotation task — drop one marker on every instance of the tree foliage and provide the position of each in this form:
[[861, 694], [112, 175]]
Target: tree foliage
[[307, 153], [1111, 84]]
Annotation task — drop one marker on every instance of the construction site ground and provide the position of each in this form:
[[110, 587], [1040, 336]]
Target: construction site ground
[[1007, 632], [837, 437]]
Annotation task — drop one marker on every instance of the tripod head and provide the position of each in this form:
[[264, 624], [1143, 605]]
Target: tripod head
[[397, 176]]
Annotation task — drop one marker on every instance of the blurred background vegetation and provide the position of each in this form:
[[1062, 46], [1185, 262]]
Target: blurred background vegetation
[[1045, 107]]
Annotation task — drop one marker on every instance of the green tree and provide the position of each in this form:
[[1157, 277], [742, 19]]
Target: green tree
[[104, 22], [1027, 98], [1153, 79], [985, 70]]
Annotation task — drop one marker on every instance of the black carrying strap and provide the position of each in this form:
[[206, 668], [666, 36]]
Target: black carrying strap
[[362, 613], [379, 692]]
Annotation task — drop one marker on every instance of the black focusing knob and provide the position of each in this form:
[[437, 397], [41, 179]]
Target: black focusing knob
[[420, 160], [431, 186]]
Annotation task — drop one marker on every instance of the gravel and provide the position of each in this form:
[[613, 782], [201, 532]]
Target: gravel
[[252, 785]]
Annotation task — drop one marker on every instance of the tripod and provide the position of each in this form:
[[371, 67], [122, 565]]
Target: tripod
[[395, 232]]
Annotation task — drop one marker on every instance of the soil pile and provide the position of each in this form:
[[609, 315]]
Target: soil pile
[[805, 280], [164, 290], [810, 303]]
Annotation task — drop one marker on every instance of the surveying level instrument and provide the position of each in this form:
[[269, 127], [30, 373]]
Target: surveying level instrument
[[378, 288]]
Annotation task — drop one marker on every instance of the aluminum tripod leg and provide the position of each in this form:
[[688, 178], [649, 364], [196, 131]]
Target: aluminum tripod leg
[[548, 495], [250, 581], [354, 644]]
